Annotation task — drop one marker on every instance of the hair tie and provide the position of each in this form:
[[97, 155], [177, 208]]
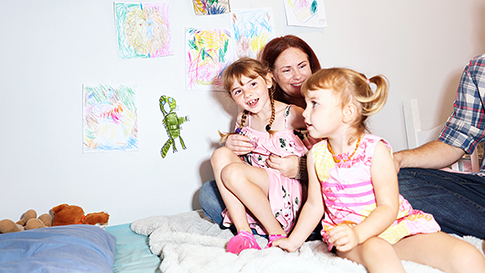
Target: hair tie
[[368, 81]]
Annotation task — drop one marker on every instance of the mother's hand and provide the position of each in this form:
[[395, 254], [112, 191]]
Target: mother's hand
[[239, 144], [288, 165]]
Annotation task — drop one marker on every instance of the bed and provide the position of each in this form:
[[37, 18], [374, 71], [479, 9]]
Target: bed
[[73, 248], [186, 242], [77, 248], [190, 242]]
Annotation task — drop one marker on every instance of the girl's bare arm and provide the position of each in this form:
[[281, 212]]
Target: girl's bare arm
[[310, 215], [384, 180]]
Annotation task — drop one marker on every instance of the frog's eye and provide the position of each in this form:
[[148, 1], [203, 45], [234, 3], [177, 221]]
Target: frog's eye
[[167, 108], [170, 99]]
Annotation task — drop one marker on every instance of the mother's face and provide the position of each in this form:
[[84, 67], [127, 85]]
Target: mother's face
[[291, 69]]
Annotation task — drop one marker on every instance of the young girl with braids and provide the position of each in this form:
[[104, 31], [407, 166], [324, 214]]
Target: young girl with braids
[[353, 182], [256, 197]]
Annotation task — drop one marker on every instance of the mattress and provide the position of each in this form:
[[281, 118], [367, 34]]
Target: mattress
[[132, 253]]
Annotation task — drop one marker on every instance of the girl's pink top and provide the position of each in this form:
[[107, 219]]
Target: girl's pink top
[[349, 193]]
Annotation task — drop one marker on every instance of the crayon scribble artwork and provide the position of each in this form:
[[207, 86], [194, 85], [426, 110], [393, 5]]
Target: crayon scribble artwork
[[143, 30], [208, 53], [109, 119], [305, 13], [211, 7], [253, 29]]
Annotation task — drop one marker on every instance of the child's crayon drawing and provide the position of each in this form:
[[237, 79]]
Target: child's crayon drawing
[[305, 13], [253, 29], [143, 30], [211, 7], [109, 119], [208, 53]]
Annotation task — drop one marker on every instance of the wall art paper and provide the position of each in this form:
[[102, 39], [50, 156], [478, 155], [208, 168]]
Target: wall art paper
[[109, 118], [211, 7], [305, 13], [253, 29], [208, 53], [143, 30], [172, 123]]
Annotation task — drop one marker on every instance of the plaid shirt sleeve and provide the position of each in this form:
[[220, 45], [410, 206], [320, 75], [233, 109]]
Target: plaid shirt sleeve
[[465, 127]]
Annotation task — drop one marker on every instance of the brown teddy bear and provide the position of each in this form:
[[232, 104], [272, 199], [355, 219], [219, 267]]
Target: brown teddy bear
[[65, 214], [29, 221]]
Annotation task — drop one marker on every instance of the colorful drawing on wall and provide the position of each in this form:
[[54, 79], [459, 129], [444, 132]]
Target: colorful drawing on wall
[[208, 53], [253, 29], [109, 119], [211, 7], [172, 123], [143, 30], [305, 13]]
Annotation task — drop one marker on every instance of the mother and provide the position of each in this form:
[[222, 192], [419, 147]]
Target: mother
[[291, 61]]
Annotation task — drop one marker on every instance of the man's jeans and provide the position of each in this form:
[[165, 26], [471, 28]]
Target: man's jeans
[[456, 200], [211, 201]]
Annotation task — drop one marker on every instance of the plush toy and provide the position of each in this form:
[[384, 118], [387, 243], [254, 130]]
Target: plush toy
[[29, 221], [65, 214]]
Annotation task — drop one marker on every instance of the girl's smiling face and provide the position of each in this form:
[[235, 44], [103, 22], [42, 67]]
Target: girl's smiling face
[[251, 94], [291, 69]]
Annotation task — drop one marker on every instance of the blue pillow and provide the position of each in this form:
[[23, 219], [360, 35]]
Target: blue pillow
[[71, 248]]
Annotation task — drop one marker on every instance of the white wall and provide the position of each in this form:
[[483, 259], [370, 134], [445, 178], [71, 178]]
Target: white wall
[[48, 49]]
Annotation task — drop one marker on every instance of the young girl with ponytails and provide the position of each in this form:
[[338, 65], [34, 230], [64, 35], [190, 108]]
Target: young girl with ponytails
[[353, 183], [256, 197]]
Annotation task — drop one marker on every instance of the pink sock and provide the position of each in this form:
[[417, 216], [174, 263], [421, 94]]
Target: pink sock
[[274, 237], [243, 240]]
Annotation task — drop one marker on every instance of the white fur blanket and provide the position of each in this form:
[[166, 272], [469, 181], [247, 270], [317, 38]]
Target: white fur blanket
[[190, 242]]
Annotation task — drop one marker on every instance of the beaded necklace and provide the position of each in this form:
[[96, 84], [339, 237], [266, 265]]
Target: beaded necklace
[[348, 158]]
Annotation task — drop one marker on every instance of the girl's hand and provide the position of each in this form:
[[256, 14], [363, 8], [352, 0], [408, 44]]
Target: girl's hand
[[239, 144], [343, 237], [286, 245], [310, 141], [288, 166]]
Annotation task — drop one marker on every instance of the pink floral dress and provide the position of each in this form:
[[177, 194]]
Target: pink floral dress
[[349, 194], [284, 194]]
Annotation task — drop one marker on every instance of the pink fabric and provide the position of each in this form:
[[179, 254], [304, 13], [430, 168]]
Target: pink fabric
[[274, 237], [243, 240], [349, 194], [284, 193]]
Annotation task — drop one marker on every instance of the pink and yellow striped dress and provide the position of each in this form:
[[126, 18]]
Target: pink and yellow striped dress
[[349, 194]]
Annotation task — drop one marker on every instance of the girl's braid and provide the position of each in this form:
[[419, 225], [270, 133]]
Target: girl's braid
[[273, 112], [243, 119]]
